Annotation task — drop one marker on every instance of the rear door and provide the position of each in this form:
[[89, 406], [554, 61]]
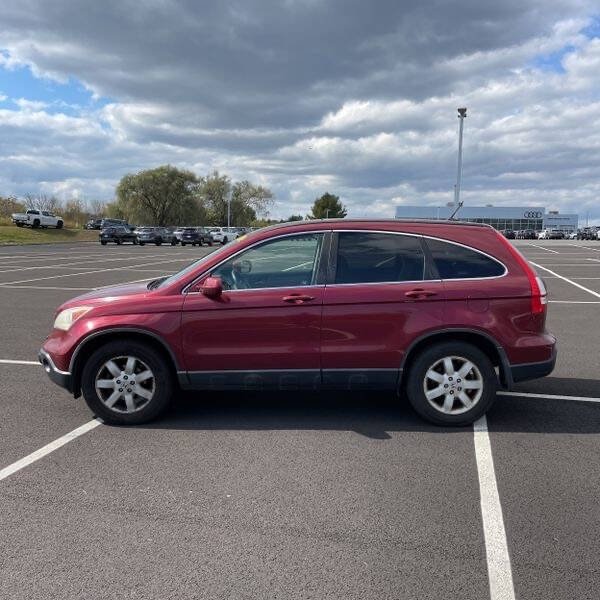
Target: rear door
[[380, 296]]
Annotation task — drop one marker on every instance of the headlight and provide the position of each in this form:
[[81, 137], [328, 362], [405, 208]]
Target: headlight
[[67, 317]]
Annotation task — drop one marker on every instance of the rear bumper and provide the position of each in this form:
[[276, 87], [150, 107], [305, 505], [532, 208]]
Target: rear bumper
[[61, 378], [526, 371]]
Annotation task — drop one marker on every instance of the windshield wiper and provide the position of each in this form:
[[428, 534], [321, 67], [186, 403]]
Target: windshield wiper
[[156, 282]]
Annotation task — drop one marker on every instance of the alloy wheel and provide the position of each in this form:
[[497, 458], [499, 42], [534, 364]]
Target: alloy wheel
[[125, 384], [453, 385]]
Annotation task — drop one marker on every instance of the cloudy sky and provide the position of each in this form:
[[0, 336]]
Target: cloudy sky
[[306, 96]]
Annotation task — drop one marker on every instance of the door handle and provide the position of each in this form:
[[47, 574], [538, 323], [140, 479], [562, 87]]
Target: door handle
[[420, 293], [298, 298]]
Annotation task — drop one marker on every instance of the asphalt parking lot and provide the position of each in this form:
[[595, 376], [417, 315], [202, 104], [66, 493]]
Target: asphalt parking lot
[[296, 496]]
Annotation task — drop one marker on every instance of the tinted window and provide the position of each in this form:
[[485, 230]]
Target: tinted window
[[378, 257], [457, 262], [284, 262]]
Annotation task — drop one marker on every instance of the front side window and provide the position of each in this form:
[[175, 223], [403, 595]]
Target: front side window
[[284, 262], [457, 262], [364, 257]]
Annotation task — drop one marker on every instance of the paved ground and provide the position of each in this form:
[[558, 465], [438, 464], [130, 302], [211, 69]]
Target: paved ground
[[294, 497]]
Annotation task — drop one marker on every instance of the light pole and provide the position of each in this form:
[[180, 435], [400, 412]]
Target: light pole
[[228, 210], [462, 114]]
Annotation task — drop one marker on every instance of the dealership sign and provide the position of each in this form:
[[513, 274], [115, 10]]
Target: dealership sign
[[533, 214]]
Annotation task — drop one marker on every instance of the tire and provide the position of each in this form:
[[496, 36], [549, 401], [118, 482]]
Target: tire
[[158, 242], [193, 245], [224, 240], [103, 243], [141, 243], [118, 241], [135, 241], [19, 224], [36, 223], [210, 243], [174, 242], [146, 359], [431, 359], [59, 225], [183, 243]]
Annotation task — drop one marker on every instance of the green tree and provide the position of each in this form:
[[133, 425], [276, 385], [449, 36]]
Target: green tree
[[8, 206], [162, 196], [213, 193], [293, 218], [328, 206]]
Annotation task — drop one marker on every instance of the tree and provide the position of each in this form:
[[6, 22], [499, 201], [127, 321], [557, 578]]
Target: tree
[[256, 197], [213, 193], [10, 205], [328, 206], [42, 202], [162, 196], [97, 208], [74, 212], [293, 218]]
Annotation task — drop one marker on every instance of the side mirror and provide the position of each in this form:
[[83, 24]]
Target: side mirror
[[211, 287]]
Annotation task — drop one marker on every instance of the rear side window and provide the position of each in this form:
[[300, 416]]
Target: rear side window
[[457, 262], [378, 257]]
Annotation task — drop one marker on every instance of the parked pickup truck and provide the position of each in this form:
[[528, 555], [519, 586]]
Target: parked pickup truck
[[37, 218]]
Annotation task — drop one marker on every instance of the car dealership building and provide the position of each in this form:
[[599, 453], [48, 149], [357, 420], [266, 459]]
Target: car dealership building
[[500, 217]]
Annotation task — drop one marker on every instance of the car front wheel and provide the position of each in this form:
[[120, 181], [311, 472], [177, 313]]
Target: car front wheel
[[126, 383], [452, 383]]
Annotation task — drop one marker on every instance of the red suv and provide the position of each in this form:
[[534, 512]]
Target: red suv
[[442, 312]]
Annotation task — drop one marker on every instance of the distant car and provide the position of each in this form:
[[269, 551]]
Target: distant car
[[224, 234], [37, 218], [509, 234], [115, 223], [195, 236], [573, 235], [551, 234], [118, 235], [528, 234], [156, 235], [93, 224]]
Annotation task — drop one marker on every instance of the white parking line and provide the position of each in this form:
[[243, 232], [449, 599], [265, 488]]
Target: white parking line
[[581, 287], [48, 448], [574, 301], [46, 287], [542, 248], [496, 547], [7, 361], [552, 397], [90, 272]]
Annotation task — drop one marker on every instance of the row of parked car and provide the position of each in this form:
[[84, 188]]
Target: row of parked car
[[194, 236], [587, 233]]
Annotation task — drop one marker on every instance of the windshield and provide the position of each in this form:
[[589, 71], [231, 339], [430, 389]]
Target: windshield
[[193, 266]]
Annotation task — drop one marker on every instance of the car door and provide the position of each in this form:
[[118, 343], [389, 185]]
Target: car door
[[264, 330], [379, 297]]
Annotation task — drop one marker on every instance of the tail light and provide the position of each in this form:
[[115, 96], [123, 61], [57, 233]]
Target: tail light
[[539, 297]]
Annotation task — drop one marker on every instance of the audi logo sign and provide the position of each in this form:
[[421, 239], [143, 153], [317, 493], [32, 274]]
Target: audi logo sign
[[532, 214]]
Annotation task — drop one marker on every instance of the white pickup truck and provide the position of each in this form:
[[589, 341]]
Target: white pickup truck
[[37, 218]]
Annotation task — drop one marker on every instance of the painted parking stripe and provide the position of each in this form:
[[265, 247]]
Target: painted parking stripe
[[581, 287], [542, 248], [496, 547], [46, 287], [574, 301], [552, 397], [6, 361], [48, 448]]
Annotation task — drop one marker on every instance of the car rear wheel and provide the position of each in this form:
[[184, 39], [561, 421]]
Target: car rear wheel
[[36, 223], [59, 225], [103, 243], [142, 243], [452, 383], [126, 383], [158, 242], [174, 242]]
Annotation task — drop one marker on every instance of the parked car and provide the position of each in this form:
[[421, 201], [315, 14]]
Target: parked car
[[118, 235], [37, 218], [441, 312], [587, 233], [115, 222], [551, 234], [509, 234], [572, 235], [156, 235], [224, 234], [93, 224], [528, 234], [195, 236]]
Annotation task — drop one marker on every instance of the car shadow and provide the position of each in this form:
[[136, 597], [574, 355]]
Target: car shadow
[[374, 414]]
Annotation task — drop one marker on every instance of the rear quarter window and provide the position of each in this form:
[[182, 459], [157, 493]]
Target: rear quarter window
[[458, 262]]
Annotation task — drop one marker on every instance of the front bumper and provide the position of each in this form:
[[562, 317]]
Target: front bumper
[[62, 378], [527, 371]]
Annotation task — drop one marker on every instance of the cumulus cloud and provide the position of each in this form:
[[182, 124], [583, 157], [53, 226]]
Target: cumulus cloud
[[351, 97]]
